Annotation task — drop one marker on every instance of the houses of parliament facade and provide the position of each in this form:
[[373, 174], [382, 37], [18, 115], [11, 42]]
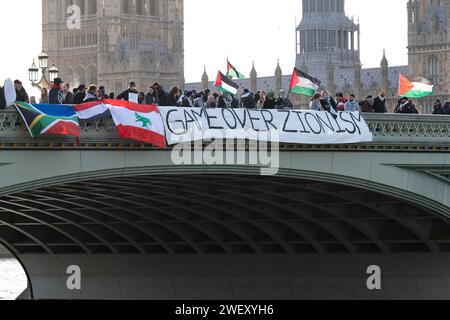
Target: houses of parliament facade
[[117, 41], [143, 40]]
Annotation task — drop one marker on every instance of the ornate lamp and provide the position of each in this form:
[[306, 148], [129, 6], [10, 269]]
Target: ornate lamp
[[33, 73], [43, 60], [53, 73]]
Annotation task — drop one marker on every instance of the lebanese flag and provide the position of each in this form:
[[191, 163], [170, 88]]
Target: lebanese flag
[[90, 110], [304, 84], [137, 121], [414, 90]]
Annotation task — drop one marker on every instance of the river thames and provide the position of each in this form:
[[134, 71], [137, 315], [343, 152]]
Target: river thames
[[13, 280]]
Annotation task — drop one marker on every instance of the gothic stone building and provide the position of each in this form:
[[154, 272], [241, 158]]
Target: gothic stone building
[[118, 41], [429, 43], [328, 48]]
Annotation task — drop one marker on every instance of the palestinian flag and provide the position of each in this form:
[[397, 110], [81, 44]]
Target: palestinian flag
[[90, 110], [414, 90], [137, 121], [49, 119], [233, 73], [225, 84], [304, 84]]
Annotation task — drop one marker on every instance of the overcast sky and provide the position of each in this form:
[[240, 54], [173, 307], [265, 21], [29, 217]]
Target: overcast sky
[[259, 30]]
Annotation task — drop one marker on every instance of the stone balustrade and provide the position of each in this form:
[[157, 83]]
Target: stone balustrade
[[391, 131]]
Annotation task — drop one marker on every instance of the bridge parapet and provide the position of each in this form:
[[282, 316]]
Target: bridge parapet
[[392, 131]]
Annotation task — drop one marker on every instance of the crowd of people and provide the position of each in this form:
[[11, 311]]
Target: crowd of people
[[61, 93]]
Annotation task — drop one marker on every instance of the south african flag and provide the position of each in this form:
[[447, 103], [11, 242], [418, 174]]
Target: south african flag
[[49, 119]]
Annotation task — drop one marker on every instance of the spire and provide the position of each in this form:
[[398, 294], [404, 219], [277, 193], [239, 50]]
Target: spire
[[254, 77], [384, 61], [205, 79], [384, 73], [278, 77]]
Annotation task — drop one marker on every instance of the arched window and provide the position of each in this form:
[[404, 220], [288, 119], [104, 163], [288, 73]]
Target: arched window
[[141, 8], [433, 70], [154, 7], [127, 6], [82, 6], [92, 7]]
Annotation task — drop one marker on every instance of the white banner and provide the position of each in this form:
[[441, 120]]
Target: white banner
[[296, 126]]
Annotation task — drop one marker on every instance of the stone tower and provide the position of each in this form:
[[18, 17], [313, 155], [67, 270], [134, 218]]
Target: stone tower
[[326, 31], [117, 41], [428, 38]]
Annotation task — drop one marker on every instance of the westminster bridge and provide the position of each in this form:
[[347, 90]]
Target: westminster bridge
[[133, 225]]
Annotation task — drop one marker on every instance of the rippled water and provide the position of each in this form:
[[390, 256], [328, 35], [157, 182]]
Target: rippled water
[[13, 280]]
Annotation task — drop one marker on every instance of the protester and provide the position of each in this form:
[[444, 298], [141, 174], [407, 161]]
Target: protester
[[112, 96], [212, 102], [340, 102], [283, 102], [327, 102], [437, 107], [92, 94], [406, 106], [379, 103], [351, 105], [44, 96], [269, 102], [173, 97], [21, 94], [315, 104], [199, 101], [141, 98], [247, 100], [103, 94], [67, 95], [260, 97], [80, 95], [206, 93], [55, 95], [160, 94], [131, 94], [187, 101], [150, 97], [33, 100], [366, 106], [446, 108]]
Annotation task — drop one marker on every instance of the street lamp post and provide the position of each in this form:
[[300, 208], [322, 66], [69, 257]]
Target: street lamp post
[[33, 72]]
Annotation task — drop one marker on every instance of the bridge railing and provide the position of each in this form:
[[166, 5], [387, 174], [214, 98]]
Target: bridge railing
[[389, 130]]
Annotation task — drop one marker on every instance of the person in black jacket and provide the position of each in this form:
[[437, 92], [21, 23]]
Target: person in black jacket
[[406, 106], [173, 97], [437, 107], [103, 92], [80, 95], [131, 95], [67, 95], [55, 95], [379, 103], [247, 100], [21, 94]]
